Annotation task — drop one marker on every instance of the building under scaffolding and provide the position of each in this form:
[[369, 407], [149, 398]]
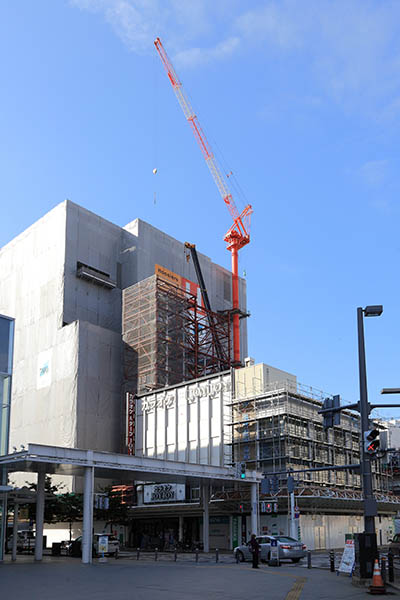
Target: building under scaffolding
[[169, 337], [276, 427]]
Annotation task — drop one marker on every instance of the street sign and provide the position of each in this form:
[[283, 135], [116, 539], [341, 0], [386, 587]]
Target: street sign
[[296, 512]]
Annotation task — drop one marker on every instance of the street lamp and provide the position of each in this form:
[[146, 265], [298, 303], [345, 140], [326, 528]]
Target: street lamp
[[370, 507]]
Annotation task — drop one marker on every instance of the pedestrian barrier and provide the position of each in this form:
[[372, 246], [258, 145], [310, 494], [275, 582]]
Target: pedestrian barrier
[[390, 566], [332, 561], [377, 586]]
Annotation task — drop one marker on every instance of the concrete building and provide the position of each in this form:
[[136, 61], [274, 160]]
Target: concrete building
[[261, 416], [62, 282]]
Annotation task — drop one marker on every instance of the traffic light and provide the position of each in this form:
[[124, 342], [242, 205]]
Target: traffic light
[[371, 441], [241, 508], [266, 485], [331, 418], [242, 470]]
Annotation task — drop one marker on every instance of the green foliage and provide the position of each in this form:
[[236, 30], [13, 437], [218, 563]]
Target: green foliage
[[117, 512]]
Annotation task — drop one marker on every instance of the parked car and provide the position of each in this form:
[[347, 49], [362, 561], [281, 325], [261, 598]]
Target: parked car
[[75, 547], [289, 548], [394, 545], [25, 541]]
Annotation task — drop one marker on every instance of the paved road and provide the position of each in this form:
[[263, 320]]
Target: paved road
[[127, 579]]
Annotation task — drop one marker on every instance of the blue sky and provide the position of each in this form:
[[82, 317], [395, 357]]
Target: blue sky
[[302, 100]]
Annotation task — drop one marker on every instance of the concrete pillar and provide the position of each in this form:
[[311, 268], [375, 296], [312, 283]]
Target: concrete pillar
[[180, 534], [254, 524], [3, 525], [206, 527], [39, 515], [15, 532], [87, 533]]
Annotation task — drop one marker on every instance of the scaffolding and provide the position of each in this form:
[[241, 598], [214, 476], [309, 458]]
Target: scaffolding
[[278, 428], [168, 337]]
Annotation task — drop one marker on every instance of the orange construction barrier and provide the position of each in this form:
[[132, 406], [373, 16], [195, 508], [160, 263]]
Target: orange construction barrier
[[377, 586]]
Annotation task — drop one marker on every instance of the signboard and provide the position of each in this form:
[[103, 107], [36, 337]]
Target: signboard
[[164, 492], [103, 544], [235, 531], [167, 275], [130, 422], [348, 557], [274, 552], [44, 370], [185, 284]]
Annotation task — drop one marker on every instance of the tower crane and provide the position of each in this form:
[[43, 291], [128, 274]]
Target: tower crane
[[238, 235]]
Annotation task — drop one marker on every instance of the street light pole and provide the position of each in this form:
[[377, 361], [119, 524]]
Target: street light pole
[[370, 506]]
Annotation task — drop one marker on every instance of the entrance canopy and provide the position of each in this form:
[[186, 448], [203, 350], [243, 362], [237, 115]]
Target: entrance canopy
[[107, 465], [90, 464]]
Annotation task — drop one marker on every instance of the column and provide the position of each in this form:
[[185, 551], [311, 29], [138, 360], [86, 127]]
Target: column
[[39, 515], [15, 532], [87, 533], [206, 529], [254, 524], [180, 535]]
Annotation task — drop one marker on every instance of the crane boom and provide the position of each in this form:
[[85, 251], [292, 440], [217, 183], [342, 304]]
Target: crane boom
[[238, 235]]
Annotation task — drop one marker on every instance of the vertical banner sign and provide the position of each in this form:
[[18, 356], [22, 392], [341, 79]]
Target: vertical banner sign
[[130, 422], [235, 531]]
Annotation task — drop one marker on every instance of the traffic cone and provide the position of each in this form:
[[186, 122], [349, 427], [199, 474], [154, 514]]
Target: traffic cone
[[377, 586]]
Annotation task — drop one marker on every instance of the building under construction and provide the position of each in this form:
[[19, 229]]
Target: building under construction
[[169, 337], [276, 427]]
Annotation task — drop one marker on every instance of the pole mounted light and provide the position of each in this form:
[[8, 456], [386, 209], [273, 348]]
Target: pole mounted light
[[370, 506], [374, 310]]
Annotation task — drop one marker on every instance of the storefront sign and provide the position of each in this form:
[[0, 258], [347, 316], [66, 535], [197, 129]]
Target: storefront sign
[[164, 492], [165, 400], [130, 422]]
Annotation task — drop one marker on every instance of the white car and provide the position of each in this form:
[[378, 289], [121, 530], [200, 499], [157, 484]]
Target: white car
[[289, 548]]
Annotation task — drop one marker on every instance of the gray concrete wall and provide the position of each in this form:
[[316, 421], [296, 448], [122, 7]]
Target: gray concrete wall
[[67, 360]]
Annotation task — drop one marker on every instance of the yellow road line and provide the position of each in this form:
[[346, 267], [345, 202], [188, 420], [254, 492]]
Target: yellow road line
[[294, 593]]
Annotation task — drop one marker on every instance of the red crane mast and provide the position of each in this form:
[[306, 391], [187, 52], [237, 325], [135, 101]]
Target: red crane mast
[[238, 235]]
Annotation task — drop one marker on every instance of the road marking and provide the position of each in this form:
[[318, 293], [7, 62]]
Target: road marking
[[294, 593]]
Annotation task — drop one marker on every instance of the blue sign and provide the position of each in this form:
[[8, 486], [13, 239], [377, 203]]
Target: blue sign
[[274, 542]]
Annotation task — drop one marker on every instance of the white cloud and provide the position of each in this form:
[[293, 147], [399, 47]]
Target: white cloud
[[348, 50], [352, 46], [196, 56], [374, 172]]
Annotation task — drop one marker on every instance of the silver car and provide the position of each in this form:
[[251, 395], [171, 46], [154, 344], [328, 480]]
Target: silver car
[[289, 549]]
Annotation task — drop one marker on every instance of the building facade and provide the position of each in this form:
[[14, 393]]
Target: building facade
[[62, 280]]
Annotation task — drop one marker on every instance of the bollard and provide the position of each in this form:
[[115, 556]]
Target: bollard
[[156, 554], [390, 566], [332, 561], [175, 554], [197, 555], [308, 559], [216, 555], [137, 553], [383, 569], [237, 558]]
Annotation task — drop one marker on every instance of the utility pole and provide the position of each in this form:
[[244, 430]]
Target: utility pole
[[370, 506]]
